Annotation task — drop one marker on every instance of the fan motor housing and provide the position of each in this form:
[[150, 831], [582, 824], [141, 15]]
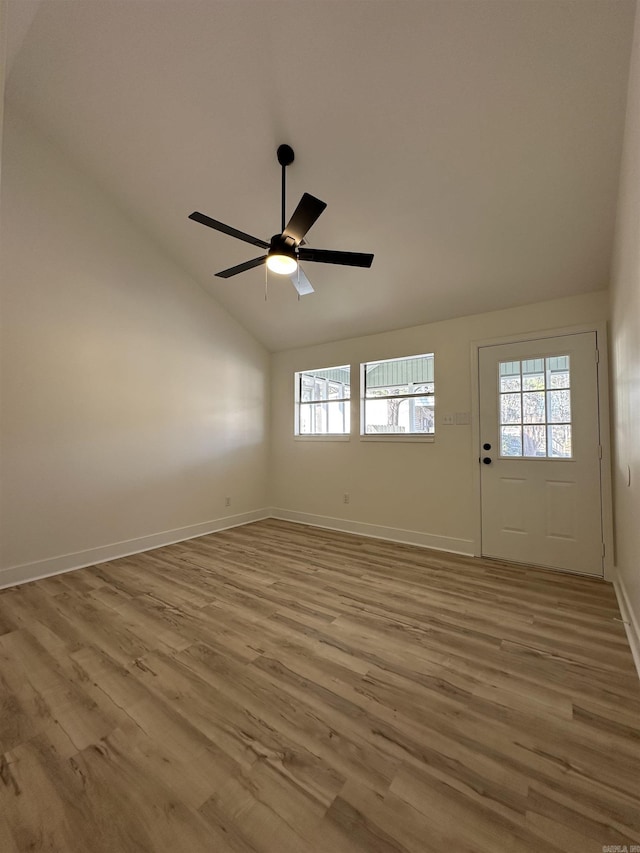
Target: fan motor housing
[[281, 245]]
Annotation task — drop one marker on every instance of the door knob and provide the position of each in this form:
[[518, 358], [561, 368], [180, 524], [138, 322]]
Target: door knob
[[487, 460]]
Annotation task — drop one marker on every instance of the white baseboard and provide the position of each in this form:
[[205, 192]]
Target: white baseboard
[[630, 619], [378, 531], [81, 559]]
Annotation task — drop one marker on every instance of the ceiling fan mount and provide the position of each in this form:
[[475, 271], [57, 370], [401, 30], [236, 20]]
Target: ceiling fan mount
[[285, 155], [287, 249]]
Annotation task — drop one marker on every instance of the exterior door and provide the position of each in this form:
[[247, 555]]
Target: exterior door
[[540, 453]]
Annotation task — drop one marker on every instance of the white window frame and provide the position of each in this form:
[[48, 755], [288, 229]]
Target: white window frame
[[398, 436], [298, 402]]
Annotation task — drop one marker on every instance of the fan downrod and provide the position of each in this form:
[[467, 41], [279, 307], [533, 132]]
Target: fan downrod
[[285, 155]]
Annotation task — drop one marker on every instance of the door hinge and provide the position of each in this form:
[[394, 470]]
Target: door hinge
[[599, 451], [603, 549], [597, 356]]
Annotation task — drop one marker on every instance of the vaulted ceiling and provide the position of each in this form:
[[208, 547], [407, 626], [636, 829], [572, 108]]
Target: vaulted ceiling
[[472, 146]]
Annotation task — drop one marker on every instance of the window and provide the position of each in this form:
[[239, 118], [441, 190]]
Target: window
[[323, 401], [535, 408], [398, 397]]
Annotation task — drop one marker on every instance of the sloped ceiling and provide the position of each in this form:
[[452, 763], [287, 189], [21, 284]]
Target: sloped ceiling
[[472, 146]]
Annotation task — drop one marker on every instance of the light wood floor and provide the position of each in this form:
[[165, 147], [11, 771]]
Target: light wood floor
[[285, 689]]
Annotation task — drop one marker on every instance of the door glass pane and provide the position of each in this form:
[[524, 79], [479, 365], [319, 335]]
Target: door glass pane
[[534, 440], [533, 374], [510, 376], [535, 392], [510, 441], [558, 372], [559, 403], [510, 409], [533, 407], [559, 441]]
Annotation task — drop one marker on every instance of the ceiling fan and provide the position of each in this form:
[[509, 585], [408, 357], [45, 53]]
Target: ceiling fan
[[287, 249]]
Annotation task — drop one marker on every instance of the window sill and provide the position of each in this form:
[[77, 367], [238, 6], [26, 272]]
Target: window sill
[[421, 439], [330, 437]]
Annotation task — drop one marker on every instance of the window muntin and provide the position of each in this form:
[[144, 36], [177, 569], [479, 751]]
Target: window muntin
[[323, 401], [535, 408], [398, 396]]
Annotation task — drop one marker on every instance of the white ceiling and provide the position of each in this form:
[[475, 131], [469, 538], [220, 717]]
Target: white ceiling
[[472, 146]]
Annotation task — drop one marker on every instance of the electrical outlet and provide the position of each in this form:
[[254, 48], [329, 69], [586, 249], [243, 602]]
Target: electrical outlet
[[227, 501], [346, 498]]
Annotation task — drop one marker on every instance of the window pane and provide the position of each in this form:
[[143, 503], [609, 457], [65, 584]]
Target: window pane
[[338, 391], [388, 391], [417, 415], [383, 416], [510, 441], [510, 383], [558, 380], [534, 440], [559, 441], [306, 393], [510, 412], [324, 418], [533, 365], [559, 403], [509, 368], [306, 420], [320, 389], [533, 382], [403, 417], [533, 407], [339, 415]]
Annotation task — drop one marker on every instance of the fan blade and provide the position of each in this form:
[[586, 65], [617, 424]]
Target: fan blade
[[247, 265], [301, 282], [227, 229], [326, 256], [306, 213]]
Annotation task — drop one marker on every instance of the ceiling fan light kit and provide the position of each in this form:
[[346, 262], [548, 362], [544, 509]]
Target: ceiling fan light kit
[[286, 250], [282, 264]]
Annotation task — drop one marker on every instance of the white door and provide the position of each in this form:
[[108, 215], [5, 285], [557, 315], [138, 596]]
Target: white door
[[540, 453]]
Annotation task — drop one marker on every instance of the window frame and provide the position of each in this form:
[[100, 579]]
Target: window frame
[[298, 402], [419, 437]]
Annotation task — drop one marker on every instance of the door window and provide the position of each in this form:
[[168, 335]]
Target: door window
[[535, 408]]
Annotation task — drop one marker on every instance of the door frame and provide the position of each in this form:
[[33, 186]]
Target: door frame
[[600, 330]]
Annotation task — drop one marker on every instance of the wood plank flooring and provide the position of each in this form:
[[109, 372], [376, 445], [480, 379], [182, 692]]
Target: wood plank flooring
[[284, 689]]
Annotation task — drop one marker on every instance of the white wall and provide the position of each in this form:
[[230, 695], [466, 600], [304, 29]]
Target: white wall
[[132, 404], [625, 346], [423, 488]]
